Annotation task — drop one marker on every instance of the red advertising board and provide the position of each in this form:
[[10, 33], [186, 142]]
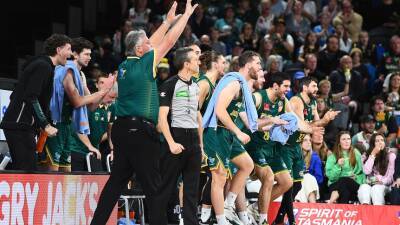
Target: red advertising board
[[47, 199], [341, 214]]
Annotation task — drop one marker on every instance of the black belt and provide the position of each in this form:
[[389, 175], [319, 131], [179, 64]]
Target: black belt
[[184, 130], [138, 118]]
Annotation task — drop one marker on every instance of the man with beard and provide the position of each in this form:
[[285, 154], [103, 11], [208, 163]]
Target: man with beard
[[221, 135], [304, 106], [69, 112], [367, 125], [269, 165], [29, 106]]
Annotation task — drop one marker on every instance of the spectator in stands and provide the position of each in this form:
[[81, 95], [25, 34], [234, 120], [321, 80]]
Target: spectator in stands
[[395, 193], [331, 9], [163, 72], [237, 50], [119, 37], [346, 75], [368, 49], [385, 122], [216, 44], [362, 138], [245, 12], [391, 61], [278, 7], [319, 146], [393, 93], [187, 38], [265, 20], [310, 67], [266, 48], [325, 29], [140, 15], [344, 170], [29, 103], [310, 46], [233, 65], [358, 65], [283, 41], [309, 191], [379, 169], [322, 106], [200, 22], [345, 41], [229, 26], [297, 24], [328, 58], [274, 64], [351, 21], [310, 10], [248, 37]]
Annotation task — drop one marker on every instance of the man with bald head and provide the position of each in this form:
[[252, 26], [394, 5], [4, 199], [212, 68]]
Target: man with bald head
[[346, 75]]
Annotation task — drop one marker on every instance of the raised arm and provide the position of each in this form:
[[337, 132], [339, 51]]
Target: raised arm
[[169, 40]]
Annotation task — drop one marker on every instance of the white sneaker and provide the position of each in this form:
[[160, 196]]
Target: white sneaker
[[231, 216], [252, 212]]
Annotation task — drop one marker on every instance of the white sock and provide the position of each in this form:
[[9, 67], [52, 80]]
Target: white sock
[[205, 214], [263, 217], [243, 217], [230, 199], [221, 220]]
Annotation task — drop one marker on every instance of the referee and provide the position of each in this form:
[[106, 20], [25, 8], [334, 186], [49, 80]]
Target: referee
[[136, 141], [179, 119]]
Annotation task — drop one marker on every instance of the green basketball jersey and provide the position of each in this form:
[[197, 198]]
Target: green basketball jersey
[[137, 88], [308, 117], [267, 108], [210, 92]]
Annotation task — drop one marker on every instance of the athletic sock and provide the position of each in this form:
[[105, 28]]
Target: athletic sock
[[205, 214], [230, 199], [221, 220], [263, 217], [244, 217]]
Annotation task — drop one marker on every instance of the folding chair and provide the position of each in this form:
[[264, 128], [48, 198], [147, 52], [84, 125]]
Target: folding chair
[[130, 193], [93, 164]]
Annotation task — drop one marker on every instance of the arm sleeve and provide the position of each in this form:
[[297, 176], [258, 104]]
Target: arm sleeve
[[332, 168], [388, 178], [368, 165], [166, 93], [34, 86]]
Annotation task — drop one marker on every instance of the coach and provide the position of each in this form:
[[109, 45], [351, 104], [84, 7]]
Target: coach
[[137, 146]]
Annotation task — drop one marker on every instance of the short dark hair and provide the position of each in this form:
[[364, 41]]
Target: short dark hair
[[375, 98], [247, 57], [276, 78], [53, 42], [181, 56], [80, 43], [208, 57], [305, 81], [332, 36]]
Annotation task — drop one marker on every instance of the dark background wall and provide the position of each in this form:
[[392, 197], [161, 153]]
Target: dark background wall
[[26, 24]]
